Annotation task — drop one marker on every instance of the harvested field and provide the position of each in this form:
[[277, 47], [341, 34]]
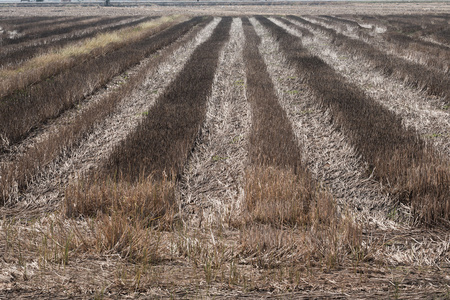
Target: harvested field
[[303, 153]]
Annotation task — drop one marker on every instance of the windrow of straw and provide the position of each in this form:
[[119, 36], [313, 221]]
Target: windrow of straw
[[162, 142], [19, 172], [415, 74], [29, 108], [19, 53], [397, 156], [281, 197]]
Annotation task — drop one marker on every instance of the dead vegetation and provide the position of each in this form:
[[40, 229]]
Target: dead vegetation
[[29, 107], [17, 174], [162, 142], [396, 155], [19, 53], [124, 228], [279, 190], [417, 75], [48, 66], [397, 42]]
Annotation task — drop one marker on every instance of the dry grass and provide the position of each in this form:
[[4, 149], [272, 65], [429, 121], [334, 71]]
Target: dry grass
[[298, 222], [396, 155], [299, 218], [17, 54], [162, 142], [146, 200], [43, 66], [16, 175], [290, 239], [433, 81], [280, 198], [125, 216], [26, 109]]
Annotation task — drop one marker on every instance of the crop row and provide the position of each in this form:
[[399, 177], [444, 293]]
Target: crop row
[[421, 26], [20, 171], [55, 29], [19, 21], [432, 54], [434, 28], [396, 155], [16, 53], [45, 65], [164, 139], [45, 24], [28, 108], [435, 83], [273, 150], [158, 146]]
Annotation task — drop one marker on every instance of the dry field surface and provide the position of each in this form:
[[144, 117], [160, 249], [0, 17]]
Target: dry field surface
[[223, 152]]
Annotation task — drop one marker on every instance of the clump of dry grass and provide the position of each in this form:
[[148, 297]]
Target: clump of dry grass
[[132, 240], [126, 217], [289, 220], [147, 200], [278, 197]]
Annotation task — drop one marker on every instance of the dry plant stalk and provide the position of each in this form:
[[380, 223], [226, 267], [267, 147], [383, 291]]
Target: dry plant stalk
[[396, 155], [45, 65], [299, 218], [126, 217], [288, 219]]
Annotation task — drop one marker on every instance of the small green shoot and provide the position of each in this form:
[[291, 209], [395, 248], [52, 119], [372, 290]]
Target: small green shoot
[[218, 158], [236, 139], [240, 82]]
